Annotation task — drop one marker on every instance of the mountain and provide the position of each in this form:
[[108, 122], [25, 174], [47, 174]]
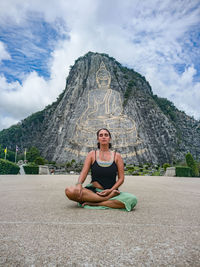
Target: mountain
[[100, 92]]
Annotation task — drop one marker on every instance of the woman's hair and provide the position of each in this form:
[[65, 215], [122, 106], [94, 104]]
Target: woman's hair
[[98, 144]]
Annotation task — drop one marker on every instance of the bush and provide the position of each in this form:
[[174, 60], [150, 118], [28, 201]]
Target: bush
[[39, 161], [32, 154], [31, 168], [165, 166], [182, 171], [8, 167], [198, 166], [192, 164], [130, 167], [73, 162], [68, 164]]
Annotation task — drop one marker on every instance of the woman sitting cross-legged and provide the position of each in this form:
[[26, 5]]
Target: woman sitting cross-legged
[[103, 192]]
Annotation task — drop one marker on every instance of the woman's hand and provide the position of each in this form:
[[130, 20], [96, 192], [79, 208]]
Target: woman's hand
[[105, 192]]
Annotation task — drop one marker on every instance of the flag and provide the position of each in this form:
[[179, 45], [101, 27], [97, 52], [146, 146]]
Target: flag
[[17, 148], [25, 152]]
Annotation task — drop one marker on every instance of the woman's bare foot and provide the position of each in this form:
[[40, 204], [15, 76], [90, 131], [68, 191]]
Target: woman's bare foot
[[90, 204], [112, 194]]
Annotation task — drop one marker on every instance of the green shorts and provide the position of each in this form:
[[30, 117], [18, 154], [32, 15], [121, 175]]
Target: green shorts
[[129, 200]]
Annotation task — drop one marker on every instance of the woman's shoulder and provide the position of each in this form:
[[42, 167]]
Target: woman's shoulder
[[91, 154], [117, 156], [90, 158], [116, 153]]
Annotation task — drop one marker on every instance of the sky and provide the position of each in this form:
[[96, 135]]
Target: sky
[[41, 39]]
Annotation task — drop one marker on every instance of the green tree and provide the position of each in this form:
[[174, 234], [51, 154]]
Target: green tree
[[192, 164], [9, 156], [1, 152], [32, 154], [39, 161]]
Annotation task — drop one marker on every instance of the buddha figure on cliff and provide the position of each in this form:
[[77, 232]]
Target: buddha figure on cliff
[[104, 109]]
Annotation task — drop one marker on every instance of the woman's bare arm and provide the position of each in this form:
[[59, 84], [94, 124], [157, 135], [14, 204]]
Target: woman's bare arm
[[84, 173], [120, 165], [86, 168]]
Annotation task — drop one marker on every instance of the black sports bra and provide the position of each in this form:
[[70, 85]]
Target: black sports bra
[[105, 176]]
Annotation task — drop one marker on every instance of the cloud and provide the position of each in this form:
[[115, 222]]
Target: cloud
[[181, 88], [3, 53], [153, 37]]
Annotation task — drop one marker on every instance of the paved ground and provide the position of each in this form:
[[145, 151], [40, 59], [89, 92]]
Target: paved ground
[[40, 227]]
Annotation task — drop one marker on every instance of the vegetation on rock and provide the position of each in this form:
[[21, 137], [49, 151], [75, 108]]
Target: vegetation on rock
[[167, 107]]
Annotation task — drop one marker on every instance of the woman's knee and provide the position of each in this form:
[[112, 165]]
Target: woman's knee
[[69, 192], [72, 193]]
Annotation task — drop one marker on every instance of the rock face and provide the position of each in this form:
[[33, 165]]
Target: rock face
[[101, 93]]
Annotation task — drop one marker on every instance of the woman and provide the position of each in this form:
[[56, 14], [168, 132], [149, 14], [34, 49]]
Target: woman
[[103, 191]]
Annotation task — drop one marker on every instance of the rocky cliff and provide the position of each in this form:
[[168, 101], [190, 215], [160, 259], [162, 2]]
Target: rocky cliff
[[100, 92]]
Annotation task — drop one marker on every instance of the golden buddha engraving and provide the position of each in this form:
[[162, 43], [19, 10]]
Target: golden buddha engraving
[[104, 109]]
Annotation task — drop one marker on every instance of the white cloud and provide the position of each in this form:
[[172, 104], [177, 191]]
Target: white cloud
[[3, 53], [18, 101], [147, 35], [5, 121], [181, 89]]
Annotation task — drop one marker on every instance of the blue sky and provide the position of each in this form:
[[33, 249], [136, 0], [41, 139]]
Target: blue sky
[[29, 46], [39, 40]]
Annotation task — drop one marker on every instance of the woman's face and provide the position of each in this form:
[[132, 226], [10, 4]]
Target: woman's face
[[103, 137]]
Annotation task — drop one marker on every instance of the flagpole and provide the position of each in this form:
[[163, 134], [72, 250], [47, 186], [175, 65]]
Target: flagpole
[[5, 151], [25, 155], [16, 153]]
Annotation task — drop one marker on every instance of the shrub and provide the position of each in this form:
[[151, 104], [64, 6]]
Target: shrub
[[73, 162], [156, 173], [192, 164], [130, 167], [68, 164], [198, 166], [165, 166], [39, 161], [8, 167], [31, 168], [183, 171], [32, 154]]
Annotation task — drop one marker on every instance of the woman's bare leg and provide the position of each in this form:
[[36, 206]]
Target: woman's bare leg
[[87, 195], [115, 204]]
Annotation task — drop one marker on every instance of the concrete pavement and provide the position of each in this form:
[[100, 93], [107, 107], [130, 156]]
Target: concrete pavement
[[40, 227]]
